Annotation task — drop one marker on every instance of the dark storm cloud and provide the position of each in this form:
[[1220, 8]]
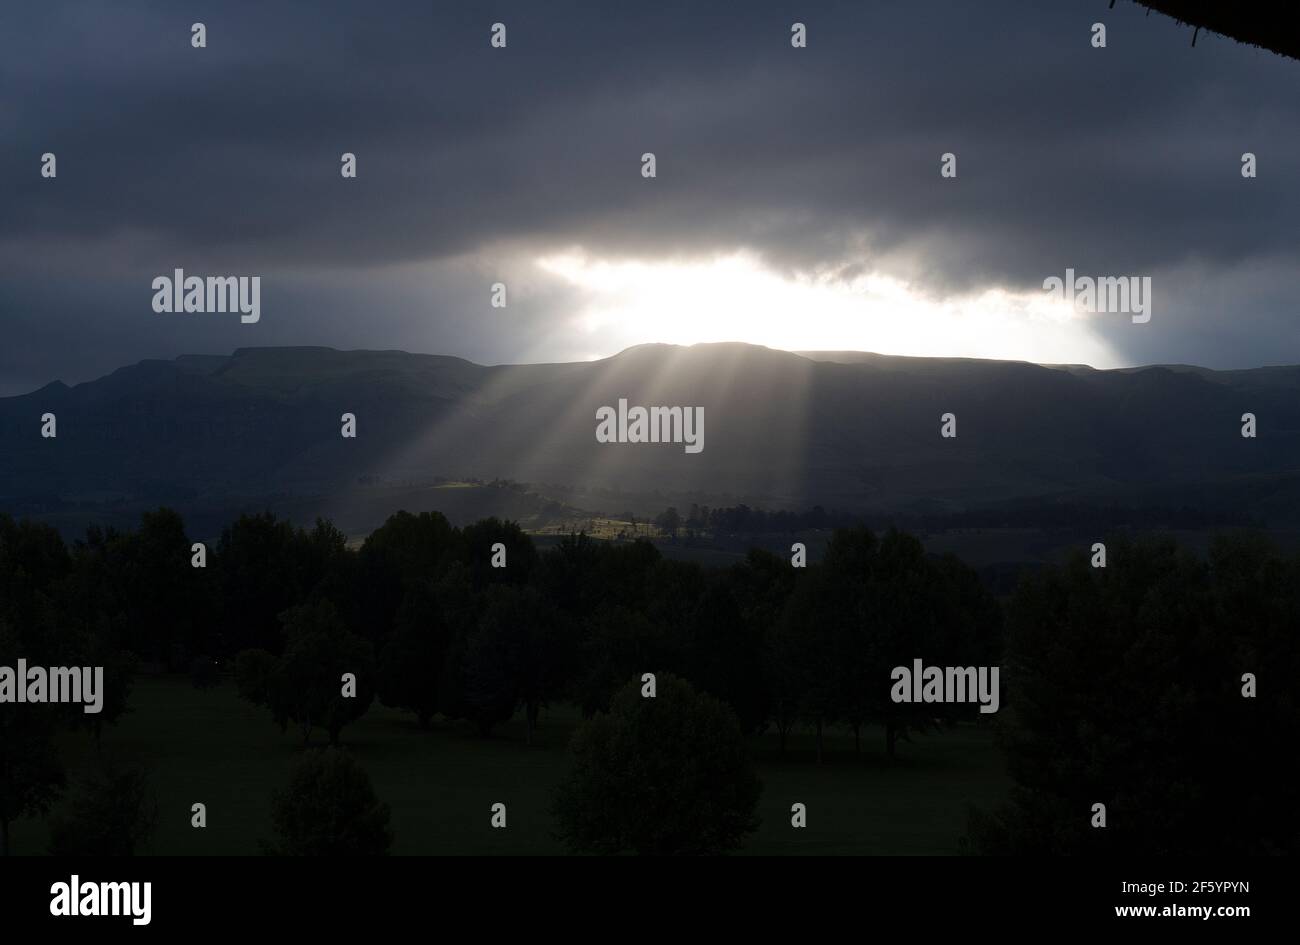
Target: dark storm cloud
[[1115, 161]]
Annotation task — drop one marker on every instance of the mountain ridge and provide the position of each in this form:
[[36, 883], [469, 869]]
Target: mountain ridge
[[782, 429], [215, 363]]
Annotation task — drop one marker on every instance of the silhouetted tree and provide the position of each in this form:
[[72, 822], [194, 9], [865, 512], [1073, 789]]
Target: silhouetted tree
[[663, 775], [138, 592], [329, 808], [406, 551], [521, 553], [253, 672], [618, 644], [669, 520], [33, 560], [412, 664], [490, 669], [305, 685], [261, 565], [763, 585], [31, 774], [520, 654], [319, 651], [901, 586], [807, 678], [110, 812], [115, 697], [1123, 686], [725, 653], [165, 595]]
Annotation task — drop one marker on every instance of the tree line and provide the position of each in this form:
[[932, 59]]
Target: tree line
[[1122, 684], [1058, 515]]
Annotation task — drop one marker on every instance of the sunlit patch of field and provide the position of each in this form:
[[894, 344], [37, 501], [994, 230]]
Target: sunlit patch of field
[[603, 528]]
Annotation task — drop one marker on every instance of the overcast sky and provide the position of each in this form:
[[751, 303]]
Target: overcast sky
[[819, 167]]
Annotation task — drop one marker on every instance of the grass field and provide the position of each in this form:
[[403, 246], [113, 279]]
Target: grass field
[[208, 746], [602, 528]]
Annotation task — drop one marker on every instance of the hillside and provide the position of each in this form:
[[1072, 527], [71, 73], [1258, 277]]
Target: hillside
[[848, 430]]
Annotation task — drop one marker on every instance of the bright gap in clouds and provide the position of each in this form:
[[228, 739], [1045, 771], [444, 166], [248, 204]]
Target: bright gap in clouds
[[734, 298]]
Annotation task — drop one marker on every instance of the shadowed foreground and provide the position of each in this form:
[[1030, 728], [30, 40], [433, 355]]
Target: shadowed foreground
[[208, 746]]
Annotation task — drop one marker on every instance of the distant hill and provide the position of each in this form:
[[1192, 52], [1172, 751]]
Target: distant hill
[[848, 430]]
